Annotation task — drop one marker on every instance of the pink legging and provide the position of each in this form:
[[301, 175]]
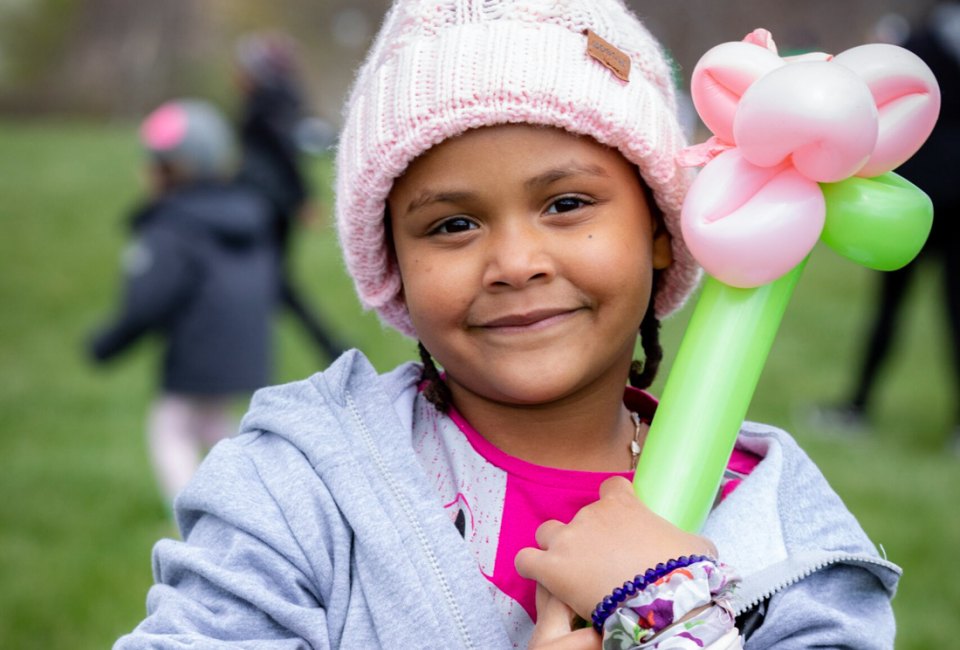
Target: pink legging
[[180, 430]]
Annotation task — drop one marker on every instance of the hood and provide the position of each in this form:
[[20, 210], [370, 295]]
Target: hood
[[232, 214], [294, 411], [325, 483]]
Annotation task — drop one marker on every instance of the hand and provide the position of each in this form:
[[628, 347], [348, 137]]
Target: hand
[[607, 543], [554, 630]]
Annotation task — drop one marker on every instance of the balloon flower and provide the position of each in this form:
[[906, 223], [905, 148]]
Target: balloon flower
[[802, 150]]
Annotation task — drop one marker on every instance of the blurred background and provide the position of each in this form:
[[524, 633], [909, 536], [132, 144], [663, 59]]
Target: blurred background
[[79, 507], [115, 59]]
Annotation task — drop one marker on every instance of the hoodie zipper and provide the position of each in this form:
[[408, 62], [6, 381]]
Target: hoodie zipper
[[809, 570], [405, 506]]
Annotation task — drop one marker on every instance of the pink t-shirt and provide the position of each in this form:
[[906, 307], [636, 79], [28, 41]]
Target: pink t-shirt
[[497, 501]]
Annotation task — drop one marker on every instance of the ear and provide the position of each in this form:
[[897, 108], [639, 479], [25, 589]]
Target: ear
[[662, 250]]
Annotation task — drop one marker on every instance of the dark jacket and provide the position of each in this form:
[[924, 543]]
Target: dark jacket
[[271, 160], [201, 272], [933, 167]]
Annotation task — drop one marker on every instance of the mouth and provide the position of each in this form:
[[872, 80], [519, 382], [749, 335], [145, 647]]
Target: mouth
[[532, 320]]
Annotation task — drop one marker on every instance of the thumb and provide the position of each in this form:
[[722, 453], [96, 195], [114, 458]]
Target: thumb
[[553, 630]]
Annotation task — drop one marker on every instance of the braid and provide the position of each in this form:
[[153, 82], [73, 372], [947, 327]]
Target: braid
[[642, 373], [437, 392]]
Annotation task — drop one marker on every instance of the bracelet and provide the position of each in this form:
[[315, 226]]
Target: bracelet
[[660, 615], [631, 587], [704, 630]]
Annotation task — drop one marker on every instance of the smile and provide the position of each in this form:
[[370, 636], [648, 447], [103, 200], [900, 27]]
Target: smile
[[530, 321]]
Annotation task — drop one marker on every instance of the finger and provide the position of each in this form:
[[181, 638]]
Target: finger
[[553, 630], [553, 616], [615, 485], [547, 531], [585, 639], [526, 562]]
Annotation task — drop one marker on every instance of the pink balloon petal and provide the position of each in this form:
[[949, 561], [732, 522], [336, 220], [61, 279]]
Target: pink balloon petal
[[721, 77], [816, 114], [748, 225], [907, 98]]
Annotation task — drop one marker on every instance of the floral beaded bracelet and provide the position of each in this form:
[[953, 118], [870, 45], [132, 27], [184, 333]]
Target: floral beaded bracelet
[[687, 609], [631, 587]]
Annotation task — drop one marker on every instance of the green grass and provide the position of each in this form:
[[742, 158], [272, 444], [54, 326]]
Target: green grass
[[80, 511]]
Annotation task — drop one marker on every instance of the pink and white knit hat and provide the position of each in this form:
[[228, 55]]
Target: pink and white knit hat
[[441, 67]]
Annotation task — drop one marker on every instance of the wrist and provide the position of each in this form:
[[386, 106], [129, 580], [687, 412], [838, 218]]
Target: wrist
[[644, 581], [680, 597]]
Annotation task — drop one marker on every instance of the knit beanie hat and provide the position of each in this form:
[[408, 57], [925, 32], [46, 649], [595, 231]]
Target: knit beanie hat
[[192, 137], [268, 59], [441, 67]]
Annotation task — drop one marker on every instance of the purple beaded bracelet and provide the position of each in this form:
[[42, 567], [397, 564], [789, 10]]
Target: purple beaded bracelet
[[631, 587]]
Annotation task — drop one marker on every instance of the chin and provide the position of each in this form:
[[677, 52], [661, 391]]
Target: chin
[[528, 389]]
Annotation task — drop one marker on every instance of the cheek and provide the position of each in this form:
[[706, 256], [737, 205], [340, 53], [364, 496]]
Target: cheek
[[413, 268], [415, 275], [623, 255], [434, 291], [619, 269]]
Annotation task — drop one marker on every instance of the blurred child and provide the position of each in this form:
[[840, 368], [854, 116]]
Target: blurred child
[[507, 193], [201, 273], [271, 162]]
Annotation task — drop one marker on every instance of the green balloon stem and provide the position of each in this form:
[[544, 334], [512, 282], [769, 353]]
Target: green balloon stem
[[880, 222], [706, 397]]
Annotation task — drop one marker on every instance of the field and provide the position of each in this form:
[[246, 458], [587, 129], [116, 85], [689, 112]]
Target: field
[[79, 509]]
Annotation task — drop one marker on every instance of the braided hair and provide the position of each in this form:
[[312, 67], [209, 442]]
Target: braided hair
[[642, 373], [436, 390]]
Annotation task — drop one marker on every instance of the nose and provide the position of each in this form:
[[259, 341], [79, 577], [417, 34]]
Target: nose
[[518, 255]]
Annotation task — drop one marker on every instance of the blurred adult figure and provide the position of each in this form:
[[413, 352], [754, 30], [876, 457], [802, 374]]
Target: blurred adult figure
[[937, 42], [271, 117], [200, 272]]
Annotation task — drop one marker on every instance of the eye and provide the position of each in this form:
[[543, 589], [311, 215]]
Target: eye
[[568, 204], [453, 225]]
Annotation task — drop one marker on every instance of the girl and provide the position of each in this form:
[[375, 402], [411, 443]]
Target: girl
[[200, 273], [507, 194]]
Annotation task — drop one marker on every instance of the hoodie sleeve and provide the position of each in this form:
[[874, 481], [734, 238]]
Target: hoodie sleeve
[[240, 578], [158, 276], [840, 607], [789, 534]]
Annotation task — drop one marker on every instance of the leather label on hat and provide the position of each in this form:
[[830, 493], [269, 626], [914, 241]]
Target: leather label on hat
[[609, 55]]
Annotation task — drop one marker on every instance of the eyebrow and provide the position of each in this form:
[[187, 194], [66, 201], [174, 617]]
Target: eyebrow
[[427, 197], [543, 179], [559, 173]]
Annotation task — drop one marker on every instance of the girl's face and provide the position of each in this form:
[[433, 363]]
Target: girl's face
[[526, 255]]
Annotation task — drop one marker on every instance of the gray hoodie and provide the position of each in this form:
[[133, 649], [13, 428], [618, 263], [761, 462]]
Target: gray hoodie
[[317, 528]]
